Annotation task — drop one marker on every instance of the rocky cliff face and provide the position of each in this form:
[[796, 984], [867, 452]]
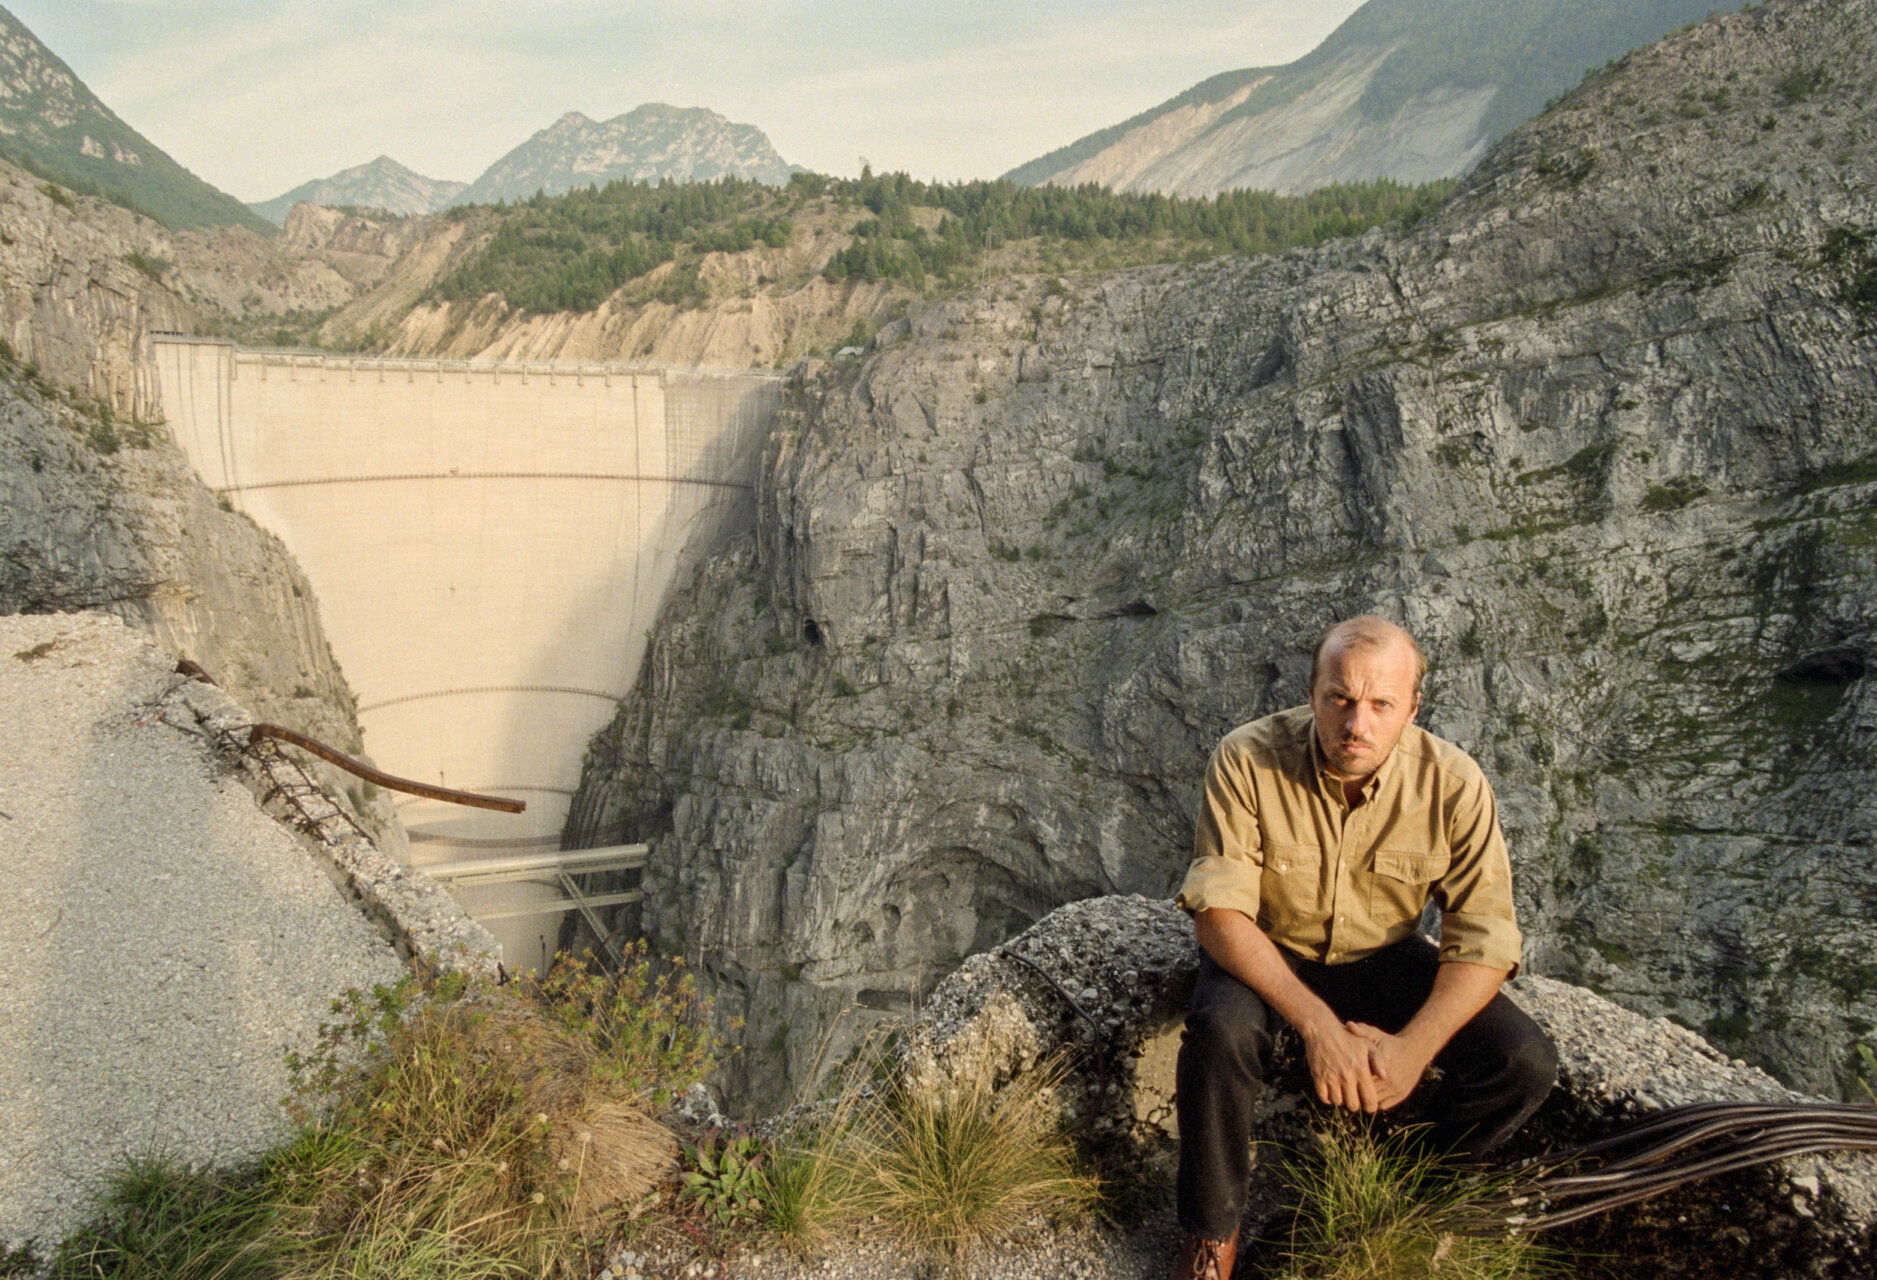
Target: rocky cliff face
[[1403, 89], [97, 514], [1411, 90], [71, 301], [1318, 138], [1598, 432], [83, 281]]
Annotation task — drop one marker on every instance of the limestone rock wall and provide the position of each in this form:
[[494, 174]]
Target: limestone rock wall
[[1598, 431], [71, 303]]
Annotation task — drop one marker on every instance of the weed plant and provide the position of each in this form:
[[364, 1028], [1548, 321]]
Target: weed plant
[[1377, 1208], [502, 1123]]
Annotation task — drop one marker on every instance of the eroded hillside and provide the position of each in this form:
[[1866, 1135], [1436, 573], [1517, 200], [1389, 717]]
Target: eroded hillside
[[1599, 431]]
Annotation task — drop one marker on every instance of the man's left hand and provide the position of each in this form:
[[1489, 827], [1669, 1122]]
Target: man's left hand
[[1396, 1064]]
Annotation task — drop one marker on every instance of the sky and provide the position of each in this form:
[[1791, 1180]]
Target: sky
[[258, 96]]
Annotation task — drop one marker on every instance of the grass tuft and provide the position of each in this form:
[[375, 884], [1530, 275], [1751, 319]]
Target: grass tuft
[[1375, 1208], [164, 1219], [942, 1167], [471, 1131]]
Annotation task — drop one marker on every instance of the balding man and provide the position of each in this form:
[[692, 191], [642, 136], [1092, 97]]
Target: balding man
[[1323, 834]]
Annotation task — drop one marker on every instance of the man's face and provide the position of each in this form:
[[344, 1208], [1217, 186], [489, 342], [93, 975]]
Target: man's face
[[1363, 698]]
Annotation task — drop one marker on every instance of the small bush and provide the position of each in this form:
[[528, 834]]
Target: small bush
[[1673, 495], [453, 1129], [150, 265], [1800, 83]]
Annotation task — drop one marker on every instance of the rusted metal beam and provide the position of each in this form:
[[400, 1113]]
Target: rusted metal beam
[[385, 780]]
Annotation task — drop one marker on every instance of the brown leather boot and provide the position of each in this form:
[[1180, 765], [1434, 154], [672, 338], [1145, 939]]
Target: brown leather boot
[[1204, 1259]]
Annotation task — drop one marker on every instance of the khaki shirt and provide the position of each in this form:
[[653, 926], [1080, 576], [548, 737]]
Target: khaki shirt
[[1333, 884]]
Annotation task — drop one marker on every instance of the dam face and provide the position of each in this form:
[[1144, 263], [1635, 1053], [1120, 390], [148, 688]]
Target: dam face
[[489, 544]]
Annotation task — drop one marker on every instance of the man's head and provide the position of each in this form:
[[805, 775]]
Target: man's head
[[1365, 687]]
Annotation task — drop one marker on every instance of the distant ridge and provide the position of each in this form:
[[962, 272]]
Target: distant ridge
[[646, 144], [55, 126], [1407, 89], [381, 184]]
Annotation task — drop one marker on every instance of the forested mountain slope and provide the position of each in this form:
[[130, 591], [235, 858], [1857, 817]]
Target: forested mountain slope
[[51, 122]]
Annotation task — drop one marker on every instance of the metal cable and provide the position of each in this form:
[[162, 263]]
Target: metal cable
[[1677, 1147]]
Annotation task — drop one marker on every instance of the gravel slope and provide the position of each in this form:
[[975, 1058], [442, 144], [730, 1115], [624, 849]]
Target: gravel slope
[[164, 940]]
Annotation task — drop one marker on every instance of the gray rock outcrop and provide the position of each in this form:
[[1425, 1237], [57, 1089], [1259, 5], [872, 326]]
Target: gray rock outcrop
[[1597, 431], [1408, 90]]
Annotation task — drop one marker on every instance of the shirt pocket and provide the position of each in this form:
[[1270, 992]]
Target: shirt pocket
[[1402, 881], [1290, 884]]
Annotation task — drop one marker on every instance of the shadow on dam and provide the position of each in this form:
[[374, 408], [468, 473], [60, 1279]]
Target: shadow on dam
[[489, 544]]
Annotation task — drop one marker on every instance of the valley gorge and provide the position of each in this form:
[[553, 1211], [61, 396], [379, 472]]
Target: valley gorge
[[1598, 431]]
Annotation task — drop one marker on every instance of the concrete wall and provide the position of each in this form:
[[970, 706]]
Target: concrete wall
[[489, 544]]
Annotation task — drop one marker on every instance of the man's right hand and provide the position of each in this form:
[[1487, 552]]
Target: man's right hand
[[1339, 1064]]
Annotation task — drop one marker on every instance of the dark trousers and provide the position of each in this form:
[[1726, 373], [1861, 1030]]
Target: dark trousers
[[1495, 1071]]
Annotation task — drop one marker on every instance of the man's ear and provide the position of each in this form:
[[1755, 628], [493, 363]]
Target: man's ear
[[1417, 707]]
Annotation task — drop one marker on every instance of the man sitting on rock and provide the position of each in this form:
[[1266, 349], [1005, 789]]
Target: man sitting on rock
[[1323, 833]]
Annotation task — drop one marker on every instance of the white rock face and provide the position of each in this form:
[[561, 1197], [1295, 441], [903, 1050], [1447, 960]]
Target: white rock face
[[1597, 432]]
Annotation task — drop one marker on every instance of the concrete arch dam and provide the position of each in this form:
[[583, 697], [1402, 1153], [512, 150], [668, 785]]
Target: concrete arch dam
[[489, 544]]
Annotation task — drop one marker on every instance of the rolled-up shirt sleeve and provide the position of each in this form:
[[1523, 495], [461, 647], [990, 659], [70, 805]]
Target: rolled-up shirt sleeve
[[1228, 850], [1475, 894]]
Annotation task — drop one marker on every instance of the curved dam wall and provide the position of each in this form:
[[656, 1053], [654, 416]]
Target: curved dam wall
[[489, 544]]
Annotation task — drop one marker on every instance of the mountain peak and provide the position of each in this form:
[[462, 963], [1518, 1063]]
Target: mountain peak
[[380, 184], [653, 141]]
